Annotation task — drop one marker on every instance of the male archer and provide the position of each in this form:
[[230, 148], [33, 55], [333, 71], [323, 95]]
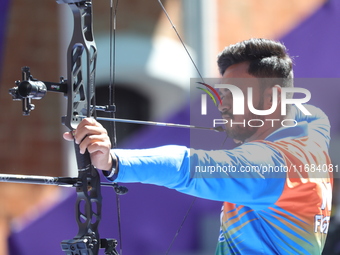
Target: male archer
[[265, 211]]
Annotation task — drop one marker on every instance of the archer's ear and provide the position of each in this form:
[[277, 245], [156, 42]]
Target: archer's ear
[[269, 96]]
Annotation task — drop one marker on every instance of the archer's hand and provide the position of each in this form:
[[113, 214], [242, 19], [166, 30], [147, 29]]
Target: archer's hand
[[91, 135]]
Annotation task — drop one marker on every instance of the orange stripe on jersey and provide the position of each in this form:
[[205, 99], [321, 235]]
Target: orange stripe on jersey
[[307, 192]]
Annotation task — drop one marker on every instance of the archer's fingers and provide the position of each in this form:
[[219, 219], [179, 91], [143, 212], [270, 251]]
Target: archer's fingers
[[88, 122], [99, 147], [68, 136], [88, 127], [95, 143]]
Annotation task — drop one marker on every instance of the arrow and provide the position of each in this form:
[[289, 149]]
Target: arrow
[[153, 123]]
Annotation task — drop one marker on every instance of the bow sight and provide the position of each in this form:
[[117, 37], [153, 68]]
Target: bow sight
[[30, 88]]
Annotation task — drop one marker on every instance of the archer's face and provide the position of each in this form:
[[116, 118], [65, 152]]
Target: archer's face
[[237, 127]]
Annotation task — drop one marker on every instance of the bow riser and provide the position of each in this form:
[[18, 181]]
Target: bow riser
[[82, 53]]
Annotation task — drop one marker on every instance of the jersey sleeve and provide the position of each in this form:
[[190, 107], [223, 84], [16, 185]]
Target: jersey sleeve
[[252, 174]]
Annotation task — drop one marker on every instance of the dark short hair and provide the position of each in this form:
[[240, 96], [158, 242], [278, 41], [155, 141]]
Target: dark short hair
[[267, 59]]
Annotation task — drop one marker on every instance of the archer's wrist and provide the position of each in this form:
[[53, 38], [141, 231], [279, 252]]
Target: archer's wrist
[[112, 173]]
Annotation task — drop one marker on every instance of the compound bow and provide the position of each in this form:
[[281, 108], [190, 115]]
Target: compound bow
[[80, 92]]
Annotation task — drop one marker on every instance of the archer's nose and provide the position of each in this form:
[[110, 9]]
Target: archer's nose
[[225, 104]]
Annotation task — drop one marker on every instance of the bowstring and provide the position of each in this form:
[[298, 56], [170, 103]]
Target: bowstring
[[113, 15], [189, 209], [181, 225], [201, 77], [113, 26], [181, 40]]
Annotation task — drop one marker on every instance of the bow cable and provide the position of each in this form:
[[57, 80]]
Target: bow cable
[[113, 15]]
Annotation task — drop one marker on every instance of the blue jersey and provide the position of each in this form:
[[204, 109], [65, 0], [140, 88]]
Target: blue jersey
[[276, 192]]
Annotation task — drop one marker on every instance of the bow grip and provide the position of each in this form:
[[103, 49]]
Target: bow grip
[[83, 160]]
